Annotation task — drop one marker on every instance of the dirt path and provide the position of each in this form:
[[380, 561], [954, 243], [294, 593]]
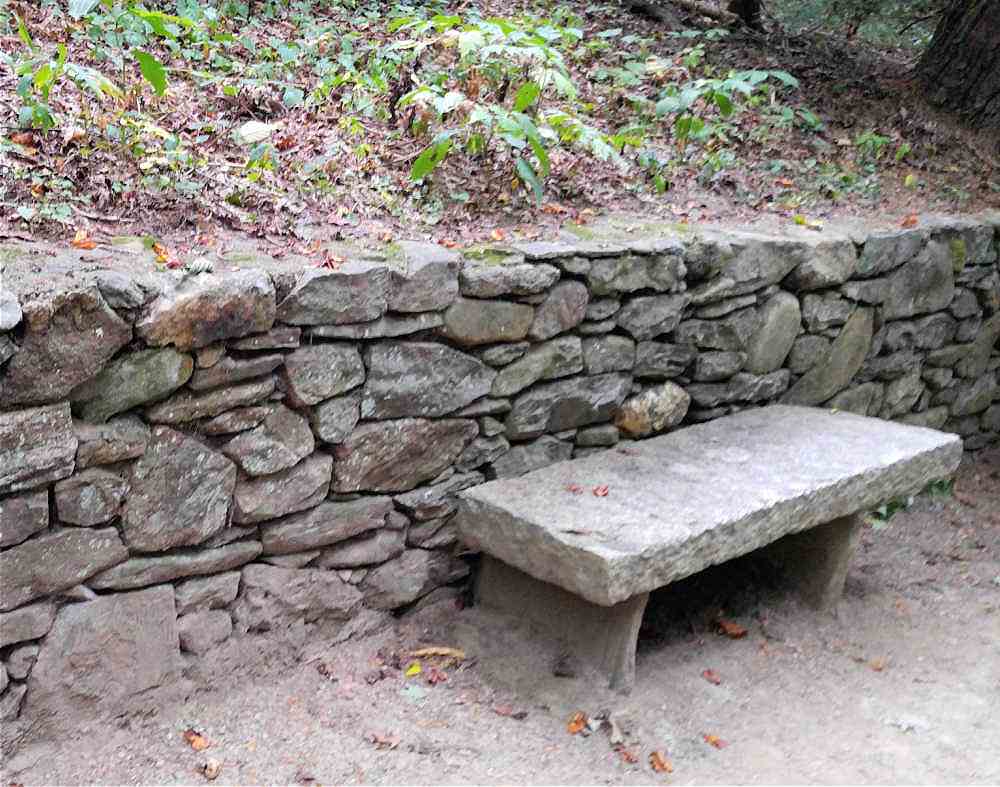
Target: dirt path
[[901, 686]]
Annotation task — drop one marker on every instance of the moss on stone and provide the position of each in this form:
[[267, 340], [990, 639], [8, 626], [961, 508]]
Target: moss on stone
[[959, 253], [488, 255]]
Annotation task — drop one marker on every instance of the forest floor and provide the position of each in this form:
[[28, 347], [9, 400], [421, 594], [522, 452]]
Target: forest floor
[[899, 686], [307, 123]]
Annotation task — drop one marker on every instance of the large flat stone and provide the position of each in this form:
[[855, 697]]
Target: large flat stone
[[90, 497], [426, 278], [68, 336], [485, 278], [233, 370], [37, 446], [180, 493], [22, 516], [421, 379], [274, 598], [365, 550], [29, 622], [925, 284], [325, 524], [385, 327], [566, 404], [56, 561], [319, 371], [291, 490], [139, 572], [132, 380], [697, 497], [10, 310], [410, 576], [335, 419], [211, 592], [206, 308], [563, 308], [280, 441], [186, 406], [842, 361], [663, 272], [549, 360], [395, 456], [103, 655], [115, 441], [780, 324], [471, 322], [523, 458], [650, 316], [357, 291]]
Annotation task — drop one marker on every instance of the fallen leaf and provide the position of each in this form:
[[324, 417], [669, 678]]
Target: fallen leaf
[[508, 711], [714, 740], [254, 131], [497, 234], [435, 676], [413, 670], [195, 739], [576, 489], [73, 134], [451, 653], [659, 763], [784, 182], [627, 755], [210, 770], [83, 241], [909, 221], [577, 723], [448, 243], [601, 491], [712, 676], [730, 629], [23, 138], [878, 664], [383, 742]]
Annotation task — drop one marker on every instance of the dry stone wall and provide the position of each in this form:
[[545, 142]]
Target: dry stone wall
[[191, 457]]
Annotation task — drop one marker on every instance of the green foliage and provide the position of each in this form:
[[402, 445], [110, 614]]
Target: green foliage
[[905, 23]]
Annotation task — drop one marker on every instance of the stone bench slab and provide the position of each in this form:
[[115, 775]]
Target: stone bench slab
[[697, 497]]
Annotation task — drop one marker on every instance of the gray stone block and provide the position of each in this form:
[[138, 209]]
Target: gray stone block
[[764, 473]]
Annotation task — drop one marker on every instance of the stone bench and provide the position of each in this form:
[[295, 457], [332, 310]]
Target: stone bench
[[582, 565]]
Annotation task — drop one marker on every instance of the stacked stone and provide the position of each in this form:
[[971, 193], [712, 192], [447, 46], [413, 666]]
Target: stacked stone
[[185, 458]]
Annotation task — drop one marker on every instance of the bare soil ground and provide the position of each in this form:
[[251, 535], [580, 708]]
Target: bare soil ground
[[900, 686]]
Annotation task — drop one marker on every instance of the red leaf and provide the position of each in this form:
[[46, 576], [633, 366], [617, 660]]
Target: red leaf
[[730, 629], [601, 491], [712, 676], [714, 740]]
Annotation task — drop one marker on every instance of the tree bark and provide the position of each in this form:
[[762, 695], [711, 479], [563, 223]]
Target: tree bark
[[961, 67], [749, 12]]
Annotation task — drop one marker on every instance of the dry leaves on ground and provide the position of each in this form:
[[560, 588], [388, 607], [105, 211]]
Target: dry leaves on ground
[[577, 723], [714, 740], [195, 739], [712, 676], [383, 742], [730, 629], [659, 762]]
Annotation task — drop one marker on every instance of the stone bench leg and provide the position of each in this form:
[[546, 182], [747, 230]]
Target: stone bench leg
[[817, 559], [603, 637]]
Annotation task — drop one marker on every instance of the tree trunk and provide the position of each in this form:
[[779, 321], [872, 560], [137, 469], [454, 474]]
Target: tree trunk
[[749, 12], [961, 68]]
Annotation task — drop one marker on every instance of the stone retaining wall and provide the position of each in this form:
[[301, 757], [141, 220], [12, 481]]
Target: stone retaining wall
[[191, 457]]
